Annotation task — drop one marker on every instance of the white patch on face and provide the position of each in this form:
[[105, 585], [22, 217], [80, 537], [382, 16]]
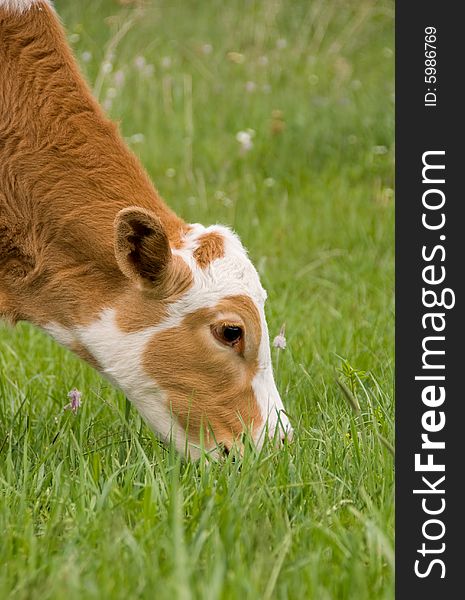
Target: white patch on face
[[232, 274], [21, 6], [121, 356]]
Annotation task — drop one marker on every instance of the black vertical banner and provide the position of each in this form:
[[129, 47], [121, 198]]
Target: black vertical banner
[[430, 269]]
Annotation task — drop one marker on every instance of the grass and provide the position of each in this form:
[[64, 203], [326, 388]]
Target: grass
[[91, 506]]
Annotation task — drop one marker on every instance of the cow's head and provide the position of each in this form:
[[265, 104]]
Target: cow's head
[[189, 338]]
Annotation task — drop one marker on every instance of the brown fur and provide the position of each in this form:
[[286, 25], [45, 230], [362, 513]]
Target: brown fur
[[137, 311], [65, 173], [82, 228], [215, 400], [211, 246]]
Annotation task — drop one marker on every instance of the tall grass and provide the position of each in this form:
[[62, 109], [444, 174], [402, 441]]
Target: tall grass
[[91, 505]]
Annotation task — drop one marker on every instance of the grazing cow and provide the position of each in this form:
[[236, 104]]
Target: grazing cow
[[170, 312]]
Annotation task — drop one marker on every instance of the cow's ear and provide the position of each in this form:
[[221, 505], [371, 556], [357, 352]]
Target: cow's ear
[[142, 247]]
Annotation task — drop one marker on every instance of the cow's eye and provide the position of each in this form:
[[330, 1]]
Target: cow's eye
[[227, 334]]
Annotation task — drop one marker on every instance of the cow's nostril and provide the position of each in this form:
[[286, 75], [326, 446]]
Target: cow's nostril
[[225, 451], [288, 435]]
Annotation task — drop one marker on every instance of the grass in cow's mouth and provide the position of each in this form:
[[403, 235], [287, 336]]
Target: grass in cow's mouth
[[91, 505]]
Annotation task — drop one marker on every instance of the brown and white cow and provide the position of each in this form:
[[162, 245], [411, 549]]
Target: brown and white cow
[[170, 312]]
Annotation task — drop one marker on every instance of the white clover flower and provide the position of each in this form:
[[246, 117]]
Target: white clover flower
[[245, 140], [207, 48], [281, 43], [379, 150], [280, 340], [75, 401], [166, 62], [170, 172], [118, 78], [250, 86], [137, 138], [263, 61], [74, 37], [107, 67], [86, 56], [139, 62]]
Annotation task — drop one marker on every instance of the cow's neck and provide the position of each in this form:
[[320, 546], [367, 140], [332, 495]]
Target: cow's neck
[[66, 179]]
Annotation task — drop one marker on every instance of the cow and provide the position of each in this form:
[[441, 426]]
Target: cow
[[170, 312]]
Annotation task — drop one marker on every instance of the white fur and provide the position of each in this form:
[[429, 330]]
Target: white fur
[[120, 355], [20, 6], [226, 276], [268, 398], [63, 336]]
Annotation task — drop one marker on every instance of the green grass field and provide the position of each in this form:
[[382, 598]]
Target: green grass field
[[92, 506]]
